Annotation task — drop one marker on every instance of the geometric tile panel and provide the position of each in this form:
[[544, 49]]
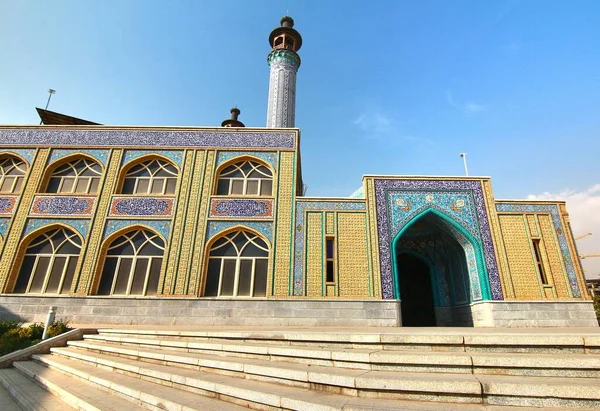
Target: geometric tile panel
[[100, 155], [175, 155], [142, 206], [551, 209], [26, 153], [215, 227], [225, 156], [398, 201], [62, 205], [80, 225], [148, 138], [163, 227], [301, 208], [247, 208], [7, 204]]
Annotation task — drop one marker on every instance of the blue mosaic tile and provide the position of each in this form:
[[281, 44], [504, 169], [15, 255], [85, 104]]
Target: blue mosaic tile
[[474, 206], [4, 226], [237, 207], [142, 206], [174, 155], [359, 193], [26, 153], [62, 205], [100, 155], [215, 227], [267, 157], [79, 225], [301, 207], [554, 212], [162, 227], [149, 138]]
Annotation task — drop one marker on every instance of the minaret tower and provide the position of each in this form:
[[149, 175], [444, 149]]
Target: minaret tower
[[284, 63]]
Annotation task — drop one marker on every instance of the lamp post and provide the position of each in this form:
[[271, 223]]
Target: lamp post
[[464, 157]]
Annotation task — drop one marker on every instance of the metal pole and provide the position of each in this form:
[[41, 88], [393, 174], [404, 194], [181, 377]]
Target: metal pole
[[49, 321], [50, 92], [464, 157]]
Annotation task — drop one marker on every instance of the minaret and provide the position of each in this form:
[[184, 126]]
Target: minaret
[[284, 63]]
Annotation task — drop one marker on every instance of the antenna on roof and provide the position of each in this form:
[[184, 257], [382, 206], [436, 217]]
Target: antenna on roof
[[50, 92]]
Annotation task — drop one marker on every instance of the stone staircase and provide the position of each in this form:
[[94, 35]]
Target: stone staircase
[[314, 369]]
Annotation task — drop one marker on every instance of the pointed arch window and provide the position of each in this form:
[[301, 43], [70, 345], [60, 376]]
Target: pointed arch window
[[81, 176], [151, 177], [132, 264], [237, 266], [247, 178], [12, 174], [49, 263]]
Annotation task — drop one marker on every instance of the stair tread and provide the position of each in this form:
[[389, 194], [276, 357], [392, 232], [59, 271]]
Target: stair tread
[[28, 394], [84, 392], [499, 359], [139, 388], [268, 393]]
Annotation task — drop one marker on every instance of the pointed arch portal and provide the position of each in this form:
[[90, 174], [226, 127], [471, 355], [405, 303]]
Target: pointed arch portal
[[437, 267]]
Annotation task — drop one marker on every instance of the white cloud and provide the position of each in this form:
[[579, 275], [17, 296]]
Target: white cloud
[[584, 211], [468, 107], [373, 122]]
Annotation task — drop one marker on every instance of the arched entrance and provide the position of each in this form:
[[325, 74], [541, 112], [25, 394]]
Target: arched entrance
[[435, 269]]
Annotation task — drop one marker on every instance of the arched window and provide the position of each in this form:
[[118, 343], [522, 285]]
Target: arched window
[[237, 266], [12, 174], [49, 263], [245, 178], [151, 177], [81, 176], [132, 264]]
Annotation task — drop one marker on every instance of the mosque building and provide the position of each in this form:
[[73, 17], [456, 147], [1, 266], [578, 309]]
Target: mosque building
[[209, 225]]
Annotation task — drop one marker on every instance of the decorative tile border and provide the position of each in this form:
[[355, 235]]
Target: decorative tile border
[[161, 226], [7, 204], [215, 227], [142, 206], [236, 207], [57, 153], [148, 138], [553, 210], [45, 205], [301, 208], [4, 226], [174, 155], [26, 153], [80, 225], [402, 214], [225, 156]]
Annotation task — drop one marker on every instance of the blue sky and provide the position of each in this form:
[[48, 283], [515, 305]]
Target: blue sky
[[385, 87]]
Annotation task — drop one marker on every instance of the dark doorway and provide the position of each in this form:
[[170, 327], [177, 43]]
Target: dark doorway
[[416, 293]]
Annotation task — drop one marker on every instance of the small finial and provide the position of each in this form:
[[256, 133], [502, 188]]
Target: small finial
[[233, 121], [287, 21], [235, 112]]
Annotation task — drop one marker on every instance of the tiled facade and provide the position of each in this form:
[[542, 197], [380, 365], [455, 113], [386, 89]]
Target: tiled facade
[[494, 239]]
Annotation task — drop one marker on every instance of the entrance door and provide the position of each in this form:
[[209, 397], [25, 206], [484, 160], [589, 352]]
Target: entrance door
[[416, 293]]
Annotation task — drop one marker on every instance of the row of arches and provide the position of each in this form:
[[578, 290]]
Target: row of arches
[[147, 176], [132, 263]]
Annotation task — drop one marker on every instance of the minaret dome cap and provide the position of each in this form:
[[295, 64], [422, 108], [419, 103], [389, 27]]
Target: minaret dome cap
[[233, 121], [287, 21], [286, 30]]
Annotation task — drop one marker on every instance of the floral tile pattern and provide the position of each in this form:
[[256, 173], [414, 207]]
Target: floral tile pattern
[[142, 206], [4, 226], [7, 204], [235, 207], [26, 153], [175, 155], [80, 225], [100, 155], [268, 157], [215, 227], [162, 227]]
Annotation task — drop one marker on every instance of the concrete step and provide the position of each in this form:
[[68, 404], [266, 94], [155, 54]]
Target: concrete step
[[565, 364], [250, 393], [422, 340], [25, 394], [465, 388], [7, 402], [71, 391]]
